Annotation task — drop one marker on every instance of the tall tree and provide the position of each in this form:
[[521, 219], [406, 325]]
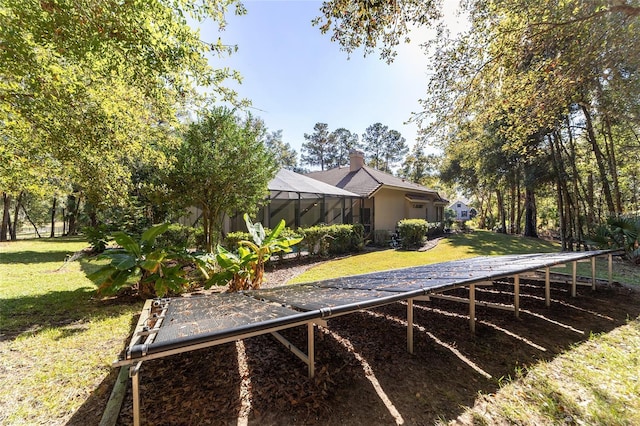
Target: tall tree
[[383, 147], [319, 146], [345, 142], [222, 167], [284, 155], [373, 143]]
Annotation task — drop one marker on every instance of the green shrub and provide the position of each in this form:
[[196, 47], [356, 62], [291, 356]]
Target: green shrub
[[333, 239], [413, 232], [98, 237], [177, 236]]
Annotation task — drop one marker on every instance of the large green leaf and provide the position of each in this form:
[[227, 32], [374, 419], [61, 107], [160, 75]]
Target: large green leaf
[[101, 275], [275, 232], [149, 236], [127, 243], [122, 261]]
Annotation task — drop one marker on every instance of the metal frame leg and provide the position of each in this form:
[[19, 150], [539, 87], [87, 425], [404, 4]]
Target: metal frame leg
[[135, 390], [574, 273], [593, 273], [410, 326], [472, 307], [547, 288]]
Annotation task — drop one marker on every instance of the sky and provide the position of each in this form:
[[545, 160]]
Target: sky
[[296, 77]]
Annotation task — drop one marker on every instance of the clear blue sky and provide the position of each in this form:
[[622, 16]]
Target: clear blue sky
[[295, 76]]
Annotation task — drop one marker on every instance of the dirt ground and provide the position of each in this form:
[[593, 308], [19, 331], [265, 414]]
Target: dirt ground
[[364, 374]]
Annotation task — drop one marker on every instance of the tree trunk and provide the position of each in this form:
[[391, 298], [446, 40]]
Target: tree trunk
[[610, 148], [6, 219], [530, 221], [501, 211], [599, 160], [16, 211], [35, 227], [53, 218]]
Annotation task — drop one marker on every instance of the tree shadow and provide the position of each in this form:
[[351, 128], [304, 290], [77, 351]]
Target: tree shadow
[[66, 310], [28, 257]]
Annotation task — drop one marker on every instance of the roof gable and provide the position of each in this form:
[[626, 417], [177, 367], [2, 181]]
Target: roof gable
[[366, 181]]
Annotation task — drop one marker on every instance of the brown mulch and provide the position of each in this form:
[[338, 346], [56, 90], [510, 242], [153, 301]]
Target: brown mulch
[[448, 369]]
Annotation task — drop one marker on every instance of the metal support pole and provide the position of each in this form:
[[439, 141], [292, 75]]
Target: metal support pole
[[410, 326], [472, 307], [574, 272], [593, 273], [547, 288], [310, 350], [516, 295], [610, 269]]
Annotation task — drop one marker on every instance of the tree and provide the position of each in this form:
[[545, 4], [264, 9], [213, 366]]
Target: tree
[[284, 155], [364, 23], [418, 167], [222, 167], [86, 85], [318, 148], [345, 142], [383, 147]]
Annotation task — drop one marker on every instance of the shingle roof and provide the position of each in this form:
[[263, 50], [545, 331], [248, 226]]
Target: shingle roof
[[366, 180]]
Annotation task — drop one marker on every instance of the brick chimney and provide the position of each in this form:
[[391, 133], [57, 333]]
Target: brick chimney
[[356, 160]]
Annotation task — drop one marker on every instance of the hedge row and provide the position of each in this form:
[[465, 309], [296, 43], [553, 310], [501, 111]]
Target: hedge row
[[414, 232], [318, 240]]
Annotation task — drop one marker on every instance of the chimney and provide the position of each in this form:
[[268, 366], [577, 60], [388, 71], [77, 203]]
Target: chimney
[[356, 160]]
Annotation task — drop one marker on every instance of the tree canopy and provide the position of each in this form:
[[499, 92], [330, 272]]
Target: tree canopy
[[222, 167], [86, 87]]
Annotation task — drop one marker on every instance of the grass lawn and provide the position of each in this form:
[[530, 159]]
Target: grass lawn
[[57, 340]]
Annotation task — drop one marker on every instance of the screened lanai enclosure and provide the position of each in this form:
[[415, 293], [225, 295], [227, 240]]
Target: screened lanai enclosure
[[302, 202]]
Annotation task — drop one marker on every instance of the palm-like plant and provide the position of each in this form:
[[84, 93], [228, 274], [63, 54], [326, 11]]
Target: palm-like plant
[[244, 270], [155, 271], [619, 232]]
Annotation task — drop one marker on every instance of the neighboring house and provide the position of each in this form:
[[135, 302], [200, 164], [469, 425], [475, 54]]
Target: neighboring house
[[463, 211], [387, 199]]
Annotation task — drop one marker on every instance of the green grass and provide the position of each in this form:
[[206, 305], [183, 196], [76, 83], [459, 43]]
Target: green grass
[[458, 246], [596, 382], [57, 339]]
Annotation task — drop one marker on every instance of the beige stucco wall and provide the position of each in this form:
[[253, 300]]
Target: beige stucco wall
[[389, 209], [391, 206]]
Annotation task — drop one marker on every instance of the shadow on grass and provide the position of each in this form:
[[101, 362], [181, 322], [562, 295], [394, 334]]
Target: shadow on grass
[[57, 309], [28, 257]]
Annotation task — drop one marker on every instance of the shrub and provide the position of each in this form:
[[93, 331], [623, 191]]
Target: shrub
[[98, 237], [244, 270], [333, 239], [177, 235], [154, 271], [413, 232], [621, 232], [381, 237]]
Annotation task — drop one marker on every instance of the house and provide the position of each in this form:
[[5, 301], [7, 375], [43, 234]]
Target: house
[[386, 199], [463, 211], [300, 200], [303, 202]]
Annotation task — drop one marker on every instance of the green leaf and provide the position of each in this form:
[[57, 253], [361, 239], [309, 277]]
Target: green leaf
[[122, 261], [127, 243], [150, 234]]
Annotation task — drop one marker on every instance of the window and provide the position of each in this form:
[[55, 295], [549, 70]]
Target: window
[[459, 205], [418, 206], [463, 213]]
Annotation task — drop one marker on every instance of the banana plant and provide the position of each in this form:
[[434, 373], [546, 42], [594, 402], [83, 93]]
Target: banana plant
[[244, 270], [138, 263]]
